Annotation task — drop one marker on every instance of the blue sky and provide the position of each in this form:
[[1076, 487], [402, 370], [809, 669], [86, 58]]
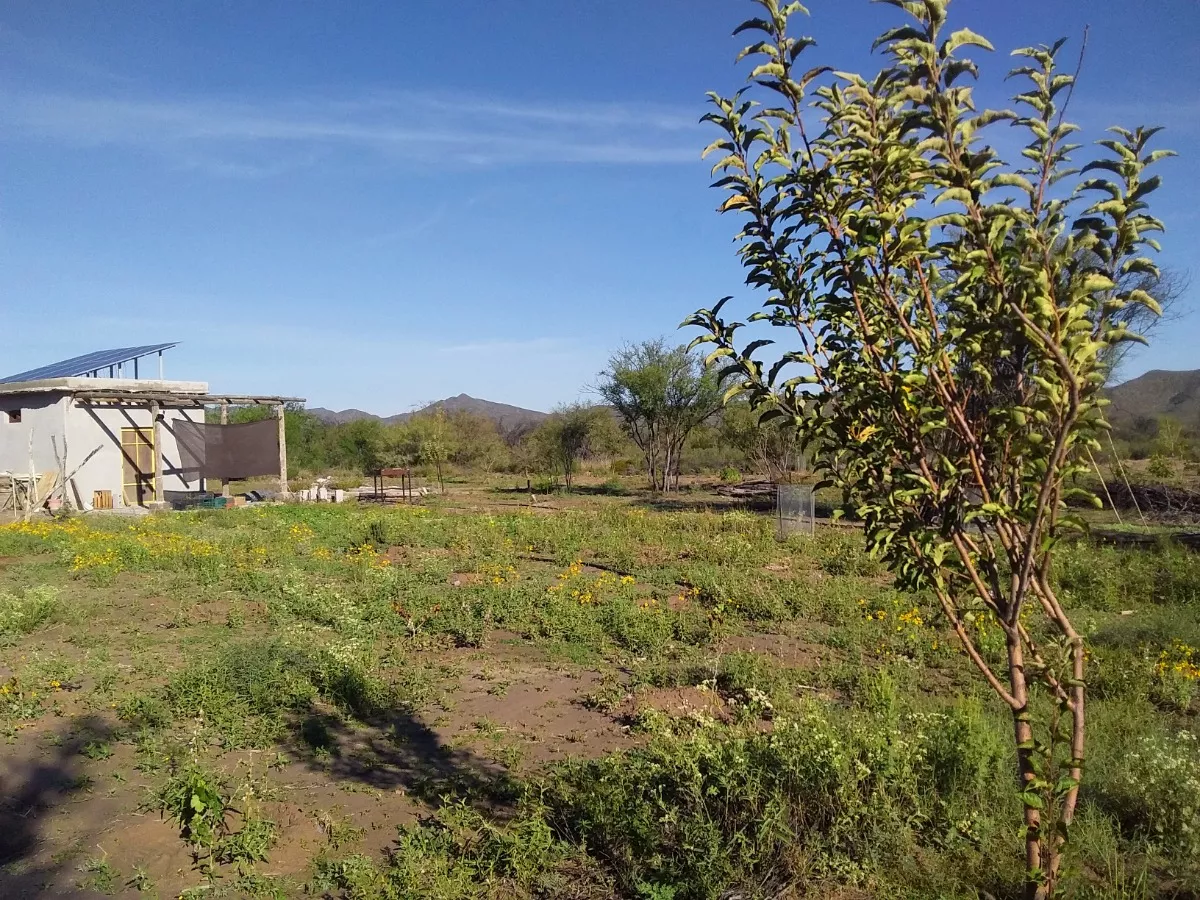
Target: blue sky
[[381, 204]]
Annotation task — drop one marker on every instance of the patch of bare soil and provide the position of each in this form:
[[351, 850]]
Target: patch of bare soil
[[511, 699], [60, 806]]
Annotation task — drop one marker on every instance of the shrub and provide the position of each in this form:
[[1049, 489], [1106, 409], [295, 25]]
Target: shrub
[[1155, 792], [1110, 578], [844, 555], [246, 690], [197, 800], [1120, 673], [1160, 467], [716, 812], [612, 487], [454, 854], [21, 614], [1176, 676], [730, 475], [194, 799]]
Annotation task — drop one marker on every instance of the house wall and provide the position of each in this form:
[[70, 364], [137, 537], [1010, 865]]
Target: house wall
[[42, 416], [94, 426], [48, 416]]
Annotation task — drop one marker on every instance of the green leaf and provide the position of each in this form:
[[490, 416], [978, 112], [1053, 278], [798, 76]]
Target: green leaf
[[901, 33], [1012, 179], [1159, 154], [754, 25], [964, 37], [1097, 283], [961, 195], [1137, 295]]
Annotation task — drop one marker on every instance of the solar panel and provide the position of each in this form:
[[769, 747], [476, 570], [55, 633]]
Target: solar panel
[[88, 363]]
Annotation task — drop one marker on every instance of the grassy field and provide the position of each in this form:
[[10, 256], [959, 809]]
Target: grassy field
[[603, 698]]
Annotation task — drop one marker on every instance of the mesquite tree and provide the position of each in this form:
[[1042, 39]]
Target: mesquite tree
[[946, 312], [574, 431], [662, 394]]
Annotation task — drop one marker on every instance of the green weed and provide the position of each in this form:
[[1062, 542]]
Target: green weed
[[23, 613], [101, 876]]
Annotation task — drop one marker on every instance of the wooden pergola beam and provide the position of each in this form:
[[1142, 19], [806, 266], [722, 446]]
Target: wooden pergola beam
[[183, 401], [159, 400]]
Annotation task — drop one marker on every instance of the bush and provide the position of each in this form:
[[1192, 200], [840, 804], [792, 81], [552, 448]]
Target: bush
[[612, 487], [245, 691], [197, 801], [454, 853], [1160, 467], [843, 554], [730, 475], [21, 614], [717, 811], [1155, 793]]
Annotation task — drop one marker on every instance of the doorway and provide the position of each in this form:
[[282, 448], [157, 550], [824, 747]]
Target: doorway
[[137, 467]]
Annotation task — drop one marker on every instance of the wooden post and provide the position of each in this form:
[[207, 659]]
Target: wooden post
[[155, 412], [68, 405], [224, 421], [32, 499], [283, 479]]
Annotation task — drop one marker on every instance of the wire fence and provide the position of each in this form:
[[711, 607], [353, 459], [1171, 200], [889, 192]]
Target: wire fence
[[795, 510]]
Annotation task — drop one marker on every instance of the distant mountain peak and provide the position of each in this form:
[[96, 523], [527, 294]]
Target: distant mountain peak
[[1159, 392], [503, 414]]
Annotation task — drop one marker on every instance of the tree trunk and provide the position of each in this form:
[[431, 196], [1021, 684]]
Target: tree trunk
[[1038, 868]]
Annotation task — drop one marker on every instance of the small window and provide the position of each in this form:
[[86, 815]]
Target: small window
[[14, 416]]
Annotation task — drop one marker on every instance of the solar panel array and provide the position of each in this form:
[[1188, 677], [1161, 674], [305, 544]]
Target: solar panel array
[[88, 363]]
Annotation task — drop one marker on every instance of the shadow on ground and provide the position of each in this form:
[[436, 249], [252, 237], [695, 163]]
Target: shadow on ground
[[29, 792], [396, 751]]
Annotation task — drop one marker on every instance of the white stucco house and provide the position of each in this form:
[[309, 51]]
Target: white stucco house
[[110, 433]]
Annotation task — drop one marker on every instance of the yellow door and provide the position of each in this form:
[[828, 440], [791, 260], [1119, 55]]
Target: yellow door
[[137, 452]]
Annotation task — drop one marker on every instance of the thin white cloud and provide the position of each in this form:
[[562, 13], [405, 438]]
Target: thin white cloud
[[256, 139], [47, 54], [535, 345]]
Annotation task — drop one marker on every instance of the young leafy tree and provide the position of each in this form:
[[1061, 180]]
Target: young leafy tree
[[433, 441], [572, 432], [360, 444], [947, 313], [772, 449], [661, 393], [1170, 440]]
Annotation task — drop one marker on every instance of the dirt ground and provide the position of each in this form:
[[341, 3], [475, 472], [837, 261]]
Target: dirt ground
[[78, 815], [510, 707]]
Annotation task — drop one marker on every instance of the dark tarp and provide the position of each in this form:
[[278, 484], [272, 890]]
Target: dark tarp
[[228, 451]]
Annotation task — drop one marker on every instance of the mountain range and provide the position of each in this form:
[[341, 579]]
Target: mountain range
[[1139, 401], [504, 415], [1135, 404]]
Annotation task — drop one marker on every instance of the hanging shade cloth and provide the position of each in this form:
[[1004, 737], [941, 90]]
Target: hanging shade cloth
[[228, 451]]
